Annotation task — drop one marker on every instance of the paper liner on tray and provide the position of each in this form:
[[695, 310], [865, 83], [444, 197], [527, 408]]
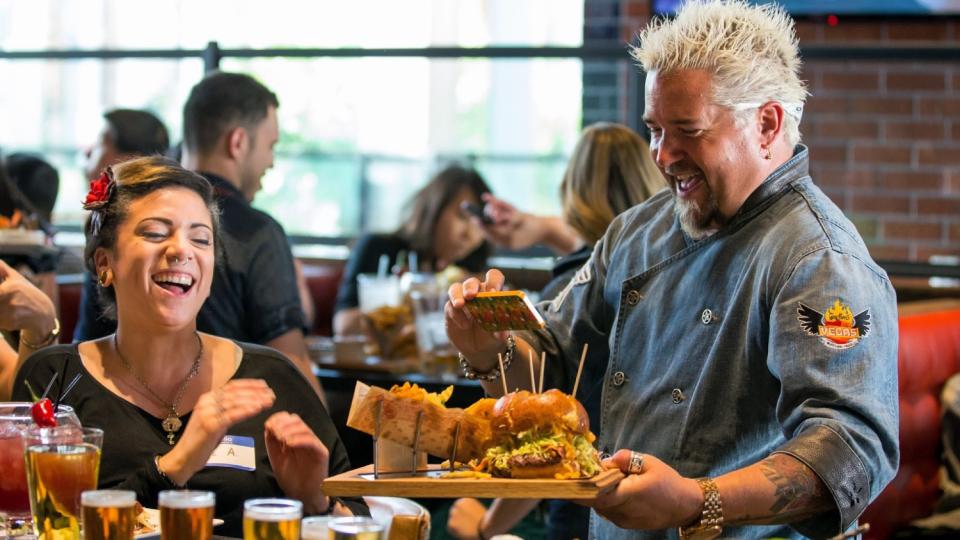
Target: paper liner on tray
[[398, 423]]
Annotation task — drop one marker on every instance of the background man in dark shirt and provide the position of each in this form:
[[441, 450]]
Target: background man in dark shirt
[[229, 131], [125, 134]]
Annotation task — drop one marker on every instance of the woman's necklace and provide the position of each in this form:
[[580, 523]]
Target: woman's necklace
[[172, 423]]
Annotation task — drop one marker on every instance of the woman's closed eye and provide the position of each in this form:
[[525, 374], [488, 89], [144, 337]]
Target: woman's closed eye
[[154, 235]]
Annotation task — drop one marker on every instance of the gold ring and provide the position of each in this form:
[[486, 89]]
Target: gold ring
[[636, 463]]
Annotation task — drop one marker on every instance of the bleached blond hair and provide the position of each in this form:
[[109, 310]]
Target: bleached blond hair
[[752, 51]]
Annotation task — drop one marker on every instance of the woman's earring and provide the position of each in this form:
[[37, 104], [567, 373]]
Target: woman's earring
[[104, 279], [766, 152]]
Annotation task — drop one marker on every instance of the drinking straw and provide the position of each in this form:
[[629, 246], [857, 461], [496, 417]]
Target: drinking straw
[[382, 265]]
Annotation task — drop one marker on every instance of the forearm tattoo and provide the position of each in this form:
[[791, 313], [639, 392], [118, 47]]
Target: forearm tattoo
[[798, 491]]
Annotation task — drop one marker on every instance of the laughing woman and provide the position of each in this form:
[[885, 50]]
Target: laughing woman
[[166, 395]]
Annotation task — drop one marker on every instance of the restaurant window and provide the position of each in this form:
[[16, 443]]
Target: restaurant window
[[358, 135]]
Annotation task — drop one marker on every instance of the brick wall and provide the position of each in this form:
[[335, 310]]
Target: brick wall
[[884, 136]]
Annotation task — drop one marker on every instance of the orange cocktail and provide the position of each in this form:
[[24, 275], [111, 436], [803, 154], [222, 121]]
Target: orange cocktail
[[62, 463]]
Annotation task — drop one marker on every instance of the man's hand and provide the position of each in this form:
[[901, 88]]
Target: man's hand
[[474, 342], [655, 498]]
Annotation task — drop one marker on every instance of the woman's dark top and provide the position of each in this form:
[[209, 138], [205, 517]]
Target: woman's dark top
[[365, 258], [132, 437]]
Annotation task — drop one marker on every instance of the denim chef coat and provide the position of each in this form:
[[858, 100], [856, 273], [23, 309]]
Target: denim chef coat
[[713, 354]]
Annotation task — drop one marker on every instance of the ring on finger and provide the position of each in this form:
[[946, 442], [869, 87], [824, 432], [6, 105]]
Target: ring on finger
[[636, 463]]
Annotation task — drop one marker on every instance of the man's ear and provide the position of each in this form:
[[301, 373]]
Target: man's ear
[[237, 142], [769, 122]]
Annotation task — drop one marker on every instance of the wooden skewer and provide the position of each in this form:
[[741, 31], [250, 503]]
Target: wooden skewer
[[503, 374], [533, 378], [543, 365], [576, 383]]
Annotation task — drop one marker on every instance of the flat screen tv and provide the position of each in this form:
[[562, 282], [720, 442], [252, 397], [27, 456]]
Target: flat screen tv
[[812, 8]]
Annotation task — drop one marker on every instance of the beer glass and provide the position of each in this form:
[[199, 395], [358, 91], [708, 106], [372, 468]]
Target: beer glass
[[15, 518], [109, 514], [315, 528], [186, 515], [355, 528], [62, 462], [272, 519]]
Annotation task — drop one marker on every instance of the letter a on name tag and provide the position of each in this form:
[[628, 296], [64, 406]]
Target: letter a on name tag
[[234, 452]]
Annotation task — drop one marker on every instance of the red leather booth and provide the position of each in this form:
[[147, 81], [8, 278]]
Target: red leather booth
[[929, 355]]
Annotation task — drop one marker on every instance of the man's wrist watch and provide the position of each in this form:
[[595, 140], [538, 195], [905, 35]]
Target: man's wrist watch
[[710, 525]]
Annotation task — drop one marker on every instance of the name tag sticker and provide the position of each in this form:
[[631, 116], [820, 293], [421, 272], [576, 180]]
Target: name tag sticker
[[234, 452]]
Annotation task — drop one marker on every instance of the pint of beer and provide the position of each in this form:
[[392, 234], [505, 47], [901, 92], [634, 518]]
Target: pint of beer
[[272, 519], [108, 514], [355, 528], [186, 515]]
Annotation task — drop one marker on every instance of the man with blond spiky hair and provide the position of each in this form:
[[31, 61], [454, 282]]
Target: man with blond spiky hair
[[735, 399]]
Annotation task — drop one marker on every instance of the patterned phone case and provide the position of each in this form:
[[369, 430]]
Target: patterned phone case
[[504, 310]]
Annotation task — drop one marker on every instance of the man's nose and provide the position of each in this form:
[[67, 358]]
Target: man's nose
[[665, 152]]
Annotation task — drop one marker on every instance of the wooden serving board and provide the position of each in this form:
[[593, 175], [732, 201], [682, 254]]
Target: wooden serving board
[[428, 483]]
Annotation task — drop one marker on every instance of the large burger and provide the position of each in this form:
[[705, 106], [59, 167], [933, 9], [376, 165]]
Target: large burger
[[540, 436]]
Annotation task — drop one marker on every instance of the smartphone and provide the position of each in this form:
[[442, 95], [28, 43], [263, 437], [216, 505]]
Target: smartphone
[[504, 310], [477, 211]]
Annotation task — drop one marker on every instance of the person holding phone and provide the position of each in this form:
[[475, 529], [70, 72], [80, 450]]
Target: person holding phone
[[437, 228], [609, 172]]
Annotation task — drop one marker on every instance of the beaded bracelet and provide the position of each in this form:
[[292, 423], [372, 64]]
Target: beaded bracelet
[[494, 373], [156, 464]]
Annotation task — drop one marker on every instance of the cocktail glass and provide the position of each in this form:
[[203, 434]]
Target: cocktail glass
[[62, 463], [15, 518]]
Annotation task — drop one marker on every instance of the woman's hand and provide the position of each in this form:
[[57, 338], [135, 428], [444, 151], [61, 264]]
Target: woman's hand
[[299, 460], [468, 337], [23, 306], [656, 497], [212, 416], [465, 518]]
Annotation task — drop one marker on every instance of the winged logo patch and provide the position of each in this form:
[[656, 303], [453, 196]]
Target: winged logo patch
[[837, 328]]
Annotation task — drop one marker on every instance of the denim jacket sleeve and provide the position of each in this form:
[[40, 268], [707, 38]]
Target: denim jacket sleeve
[[578, 315], [833, 346]]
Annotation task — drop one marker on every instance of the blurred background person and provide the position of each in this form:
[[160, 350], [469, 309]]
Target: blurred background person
[[32, 185], [609, 172], [125, 134], [436, 228], [165, 394]]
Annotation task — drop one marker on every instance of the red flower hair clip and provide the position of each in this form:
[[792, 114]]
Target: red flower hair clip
[[100, 191]]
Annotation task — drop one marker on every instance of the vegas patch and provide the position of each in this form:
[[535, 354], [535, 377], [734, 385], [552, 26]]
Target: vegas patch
[[837, 327]]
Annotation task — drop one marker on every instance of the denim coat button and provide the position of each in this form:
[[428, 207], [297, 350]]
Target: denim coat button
[[677, 395], [707, 316], [619, 378], [633, 297]]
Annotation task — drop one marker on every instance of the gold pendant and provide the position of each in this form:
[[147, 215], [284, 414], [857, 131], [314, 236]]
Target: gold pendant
[[171, 425]]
